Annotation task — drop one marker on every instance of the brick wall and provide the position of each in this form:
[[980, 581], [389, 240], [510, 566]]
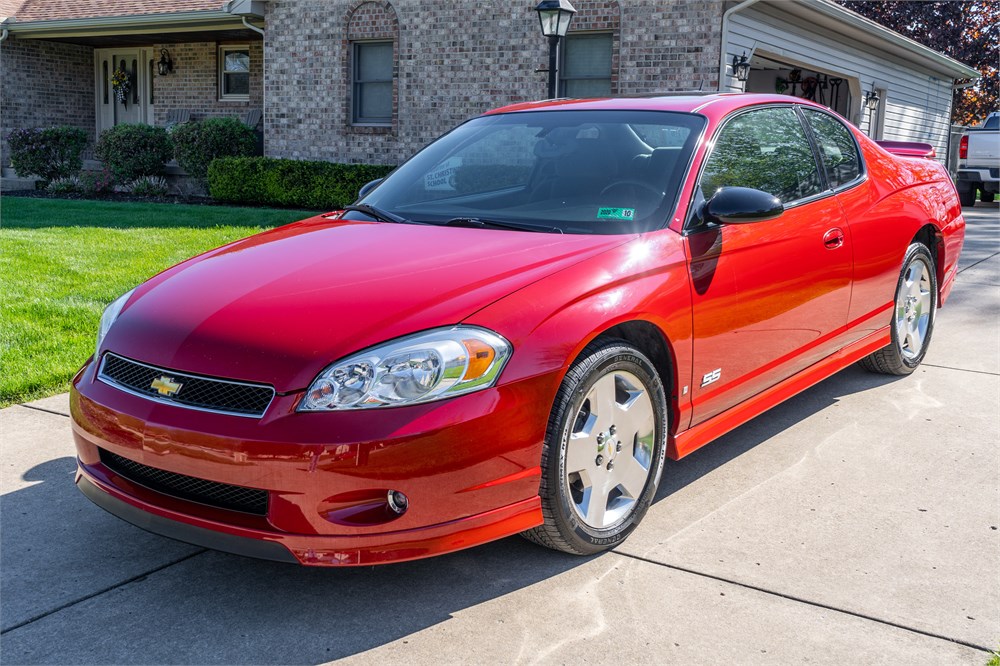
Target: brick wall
[[194, 83], [452, 65], [44, 84]]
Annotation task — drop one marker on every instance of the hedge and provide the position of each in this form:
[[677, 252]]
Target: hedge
[[47, 152], [268, 181], [133, 151], [197, 144]]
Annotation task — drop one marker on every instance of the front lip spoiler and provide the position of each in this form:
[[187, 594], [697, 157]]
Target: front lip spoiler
[[199, 536]]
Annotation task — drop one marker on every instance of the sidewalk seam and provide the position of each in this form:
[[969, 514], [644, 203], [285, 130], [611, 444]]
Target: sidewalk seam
[[98, 593], [977, 263], [948, 367], [42, 409], [808, 602]]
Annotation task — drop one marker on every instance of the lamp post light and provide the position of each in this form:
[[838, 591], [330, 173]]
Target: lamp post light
[[554, 16], [741, 68]]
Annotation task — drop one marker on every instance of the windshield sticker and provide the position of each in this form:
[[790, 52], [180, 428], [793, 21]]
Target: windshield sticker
[[443, 177], [615, 213]]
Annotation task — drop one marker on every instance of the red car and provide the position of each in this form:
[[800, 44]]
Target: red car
[[512, 331]]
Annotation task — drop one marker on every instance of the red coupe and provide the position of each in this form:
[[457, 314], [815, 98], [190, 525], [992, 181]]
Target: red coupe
[[511, 331]]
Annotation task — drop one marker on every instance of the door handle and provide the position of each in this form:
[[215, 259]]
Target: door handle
[[833, 238]]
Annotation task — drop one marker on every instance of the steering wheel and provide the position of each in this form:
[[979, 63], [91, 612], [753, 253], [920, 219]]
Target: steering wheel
[[631, 182]]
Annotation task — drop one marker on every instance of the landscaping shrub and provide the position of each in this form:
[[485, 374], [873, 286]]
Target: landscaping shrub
[[64, 185], [197, 144], [290, 183], [149, 186], [96, 182], [134, 151], [47, 152]]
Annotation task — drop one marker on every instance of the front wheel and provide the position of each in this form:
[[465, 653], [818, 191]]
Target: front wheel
[[604, 450], [912, 318], [967, 193], [986, 197]]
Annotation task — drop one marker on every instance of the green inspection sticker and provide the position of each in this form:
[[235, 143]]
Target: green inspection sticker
[[615, 213]]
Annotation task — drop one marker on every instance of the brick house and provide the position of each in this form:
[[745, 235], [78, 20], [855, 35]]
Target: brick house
[[374, 80]]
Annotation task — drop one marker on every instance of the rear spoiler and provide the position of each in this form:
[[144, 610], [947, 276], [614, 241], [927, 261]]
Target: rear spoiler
[[909, 148]]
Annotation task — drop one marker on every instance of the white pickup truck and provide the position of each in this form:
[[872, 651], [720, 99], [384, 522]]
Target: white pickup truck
[[979, 161]]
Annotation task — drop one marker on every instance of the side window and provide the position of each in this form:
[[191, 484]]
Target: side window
[[586, 65], [836, 146], [767, 150], [372, 83], [234, 72]]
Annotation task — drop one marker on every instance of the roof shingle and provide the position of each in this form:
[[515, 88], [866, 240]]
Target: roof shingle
[[51, 10]]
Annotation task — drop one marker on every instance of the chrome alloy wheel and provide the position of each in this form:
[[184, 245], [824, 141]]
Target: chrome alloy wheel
[[610, 450], [913, 309]]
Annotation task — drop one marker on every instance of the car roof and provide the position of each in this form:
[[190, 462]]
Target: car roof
[[685, 102]]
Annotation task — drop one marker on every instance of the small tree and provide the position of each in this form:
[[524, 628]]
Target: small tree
[[133, 151], [49, 153], [197, 144]]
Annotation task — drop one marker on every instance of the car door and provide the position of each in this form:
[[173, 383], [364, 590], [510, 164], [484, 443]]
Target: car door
[[770, 297]]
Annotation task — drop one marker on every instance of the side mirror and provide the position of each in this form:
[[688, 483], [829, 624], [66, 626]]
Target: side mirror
[[368, 187], [741, 205]]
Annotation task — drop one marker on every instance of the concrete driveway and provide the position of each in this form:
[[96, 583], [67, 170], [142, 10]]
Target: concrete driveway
[[856, 523]]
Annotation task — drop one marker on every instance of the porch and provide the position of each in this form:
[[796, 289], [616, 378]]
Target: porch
[[158, 69]]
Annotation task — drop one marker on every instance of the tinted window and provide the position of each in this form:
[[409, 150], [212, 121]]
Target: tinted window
[[992, 123], [586, 68], [603, 172], [836, 147], [767, 150]]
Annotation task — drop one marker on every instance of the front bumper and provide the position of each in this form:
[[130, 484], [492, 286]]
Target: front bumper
[[469, 466]]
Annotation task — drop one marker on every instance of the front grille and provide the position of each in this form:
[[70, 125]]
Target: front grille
[[212, 493], [205, 393]]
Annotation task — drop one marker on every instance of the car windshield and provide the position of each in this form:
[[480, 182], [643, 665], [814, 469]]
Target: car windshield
[[581, 172]]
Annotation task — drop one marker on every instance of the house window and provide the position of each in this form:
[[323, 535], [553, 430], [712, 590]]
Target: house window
[[586, 65], [372, 83], [234, 73]]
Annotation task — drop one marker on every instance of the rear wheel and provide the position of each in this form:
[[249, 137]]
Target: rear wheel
[[604, 450], [986, 197], [912, 318]]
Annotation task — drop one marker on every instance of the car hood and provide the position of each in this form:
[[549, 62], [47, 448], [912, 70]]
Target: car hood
[[280, 306]]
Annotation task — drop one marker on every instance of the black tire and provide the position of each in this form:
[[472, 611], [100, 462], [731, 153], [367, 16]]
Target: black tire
[[894, 359], [967, 194], [563, 528], [986, 197]]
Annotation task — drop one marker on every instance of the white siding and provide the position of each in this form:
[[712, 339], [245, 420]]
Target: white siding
[[918, 104]]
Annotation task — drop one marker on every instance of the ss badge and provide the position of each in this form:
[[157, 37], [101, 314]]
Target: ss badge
[[711, 377]]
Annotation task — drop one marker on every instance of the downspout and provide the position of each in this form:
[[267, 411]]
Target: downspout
[[3, 35], [263, 76], [725, 37]]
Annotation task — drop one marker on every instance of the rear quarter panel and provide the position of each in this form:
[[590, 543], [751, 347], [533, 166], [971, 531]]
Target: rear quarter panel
[[900, 196]]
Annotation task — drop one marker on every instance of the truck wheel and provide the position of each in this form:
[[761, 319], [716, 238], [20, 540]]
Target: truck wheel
[[986, 197], [967, 193]]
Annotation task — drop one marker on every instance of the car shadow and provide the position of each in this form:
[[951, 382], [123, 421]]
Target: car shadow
[[211, 607]]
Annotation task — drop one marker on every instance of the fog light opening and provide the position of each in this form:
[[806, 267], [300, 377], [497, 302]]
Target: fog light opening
[[398, 502]]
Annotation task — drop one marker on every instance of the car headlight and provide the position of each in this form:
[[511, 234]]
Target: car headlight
[[110, 314], [419, 368]]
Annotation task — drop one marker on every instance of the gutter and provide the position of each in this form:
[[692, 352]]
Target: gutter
[[176, 22], [723, 54]]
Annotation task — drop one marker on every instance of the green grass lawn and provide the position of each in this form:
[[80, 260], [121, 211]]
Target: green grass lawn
[[63, 261]]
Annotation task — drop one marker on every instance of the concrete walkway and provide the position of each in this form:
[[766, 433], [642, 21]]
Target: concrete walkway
[[856, 523]]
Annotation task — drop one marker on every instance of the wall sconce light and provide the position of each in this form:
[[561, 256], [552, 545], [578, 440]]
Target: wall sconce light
[[166, 65], [872, 99], [741, 67]]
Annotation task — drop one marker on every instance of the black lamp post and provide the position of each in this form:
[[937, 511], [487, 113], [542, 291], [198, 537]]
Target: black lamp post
[[741, 67], [166, 65], [554, 15]]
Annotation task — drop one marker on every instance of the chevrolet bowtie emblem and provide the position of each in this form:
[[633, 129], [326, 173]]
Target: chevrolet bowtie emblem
[[166, 385]]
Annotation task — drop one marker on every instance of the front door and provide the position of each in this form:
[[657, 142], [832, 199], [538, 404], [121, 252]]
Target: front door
[[131, 100], [771, 297]]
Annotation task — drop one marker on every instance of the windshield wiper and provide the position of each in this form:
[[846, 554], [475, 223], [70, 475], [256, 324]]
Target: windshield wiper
[[380, 215], [479, 223]]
